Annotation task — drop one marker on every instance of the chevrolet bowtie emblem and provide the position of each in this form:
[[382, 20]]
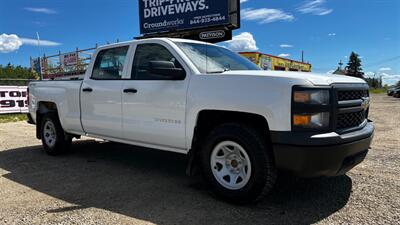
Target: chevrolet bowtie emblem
[[365, 103]]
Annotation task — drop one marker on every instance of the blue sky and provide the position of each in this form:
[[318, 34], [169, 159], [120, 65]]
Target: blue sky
[[327, 30]]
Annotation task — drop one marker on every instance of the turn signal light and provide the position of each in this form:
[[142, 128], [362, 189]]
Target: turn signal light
[[302, 97], [316, 120], [301, 120], [314, 97]]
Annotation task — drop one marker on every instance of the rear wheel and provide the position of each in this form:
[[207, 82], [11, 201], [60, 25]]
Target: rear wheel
[[54, 140], [237, 163]]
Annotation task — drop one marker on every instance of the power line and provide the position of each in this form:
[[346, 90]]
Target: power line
[[391, 59], [382, 62]]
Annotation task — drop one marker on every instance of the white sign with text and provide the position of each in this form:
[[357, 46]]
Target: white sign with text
[[13, 99], [69, 59]]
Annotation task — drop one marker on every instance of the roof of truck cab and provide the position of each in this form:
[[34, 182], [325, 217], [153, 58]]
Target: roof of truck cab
[[188, 41], [161, 39]]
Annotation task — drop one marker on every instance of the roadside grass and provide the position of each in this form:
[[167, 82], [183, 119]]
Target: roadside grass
[[378, 91], [7, 118]]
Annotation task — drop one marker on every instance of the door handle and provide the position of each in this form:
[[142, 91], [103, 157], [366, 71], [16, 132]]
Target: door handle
[[130, 90], [87, 90]]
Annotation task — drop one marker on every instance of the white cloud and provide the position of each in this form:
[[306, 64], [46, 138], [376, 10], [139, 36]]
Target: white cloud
[[265, 15], [39, 23], [284, 55], [385, 69], [11, 42], [389, 79], [314, 7], [390, 76], [286, 46], [41, 10], [332, 34], [242, 43], [369, 74], [243, 1], [29, 41]]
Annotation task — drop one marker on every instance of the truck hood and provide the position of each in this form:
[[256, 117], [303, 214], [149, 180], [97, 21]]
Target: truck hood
[[314, 78]]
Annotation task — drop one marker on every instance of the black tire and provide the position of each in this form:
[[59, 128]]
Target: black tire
[[62, 141], [263, 172]]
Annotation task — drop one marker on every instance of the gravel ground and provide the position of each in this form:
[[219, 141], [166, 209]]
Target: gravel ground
[[106, 183]]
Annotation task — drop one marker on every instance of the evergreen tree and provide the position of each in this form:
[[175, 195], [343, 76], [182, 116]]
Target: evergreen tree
[[353, 67]]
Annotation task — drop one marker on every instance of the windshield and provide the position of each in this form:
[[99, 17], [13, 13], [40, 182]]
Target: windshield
[[215, 59]]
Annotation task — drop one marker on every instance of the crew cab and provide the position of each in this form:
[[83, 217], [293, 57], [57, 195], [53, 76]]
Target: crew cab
[[237, 123]]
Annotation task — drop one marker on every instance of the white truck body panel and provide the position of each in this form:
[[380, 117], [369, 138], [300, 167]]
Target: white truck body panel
[[157, 113], [65, 94], [102, 109], [163, 114]]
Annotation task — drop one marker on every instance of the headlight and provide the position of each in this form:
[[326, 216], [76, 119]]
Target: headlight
[[317, 120], [311, 108], [318, 97]]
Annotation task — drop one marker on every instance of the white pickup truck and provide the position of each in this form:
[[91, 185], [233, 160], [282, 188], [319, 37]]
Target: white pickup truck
[[238, 124]]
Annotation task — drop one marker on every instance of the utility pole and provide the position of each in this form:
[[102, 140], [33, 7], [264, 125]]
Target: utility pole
[[302, 56], [40, 60]]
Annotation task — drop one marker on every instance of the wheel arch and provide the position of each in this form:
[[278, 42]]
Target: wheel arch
[[43, 108], [208, 119]]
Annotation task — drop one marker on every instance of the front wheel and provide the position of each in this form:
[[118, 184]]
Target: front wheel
[[54, 140], [237, 163]]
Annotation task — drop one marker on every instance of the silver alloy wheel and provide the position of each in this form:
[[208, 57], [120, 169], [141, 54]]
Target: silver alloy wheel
[[230, 165], [49, 134]]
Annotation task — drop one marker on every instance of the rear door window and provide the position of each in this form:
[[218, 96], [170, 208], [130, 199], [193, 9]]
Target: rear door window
[[109, 64]]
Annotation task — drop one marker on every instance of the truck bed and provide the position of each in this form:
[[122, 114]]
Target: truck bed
[[65, 93]]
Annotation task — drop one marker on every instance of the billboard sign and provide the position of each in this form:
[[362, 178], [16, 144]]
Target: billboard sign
[[13, 99], [175, 15], [212, 36], [266, 62]]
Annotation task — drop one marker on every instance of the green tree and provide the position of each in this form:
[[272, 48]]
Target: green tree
[[16, 75], [353, 67]]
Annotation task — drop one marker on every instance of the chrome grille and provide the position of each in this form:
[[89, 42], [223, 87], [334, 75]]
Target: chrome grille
[[348, 120], [352, 94], [351, 107]]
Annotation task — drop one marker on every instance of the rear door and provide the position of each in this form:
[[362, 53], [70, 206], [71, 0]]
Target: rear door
[[101, 94], [154, 106]]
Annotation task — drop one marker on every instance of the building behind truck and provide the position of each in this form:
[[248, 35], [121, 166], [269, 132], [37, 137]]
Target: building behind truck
[[270, 62]]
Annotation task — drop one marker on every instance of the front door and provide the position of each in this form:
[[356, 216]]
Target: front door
[[153, 105]]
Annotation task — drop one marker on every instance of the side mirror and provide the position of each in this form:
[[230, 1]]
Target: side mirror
[[167, 69]]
